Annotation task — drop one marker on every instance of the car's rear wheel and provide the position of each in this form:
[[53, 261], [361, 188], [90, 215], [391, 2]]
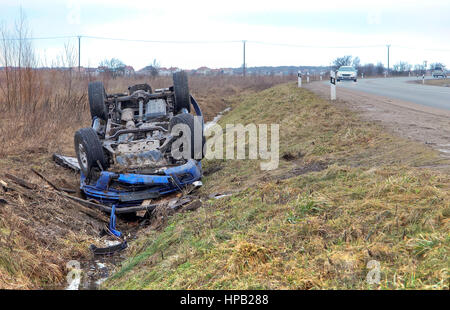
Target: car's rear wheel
[[181, 92], [97, 97], [89, 151], [188, 119]]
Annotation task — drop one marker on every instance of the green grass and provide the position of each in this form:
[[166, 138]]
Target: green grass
[[316, 230]]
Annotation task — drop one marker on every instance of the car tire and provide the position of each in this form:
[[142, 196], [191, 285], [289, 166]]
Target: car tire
[[89, 151], [338, 80], [355, 80], [181, 92], [97, 97], [188, 119]]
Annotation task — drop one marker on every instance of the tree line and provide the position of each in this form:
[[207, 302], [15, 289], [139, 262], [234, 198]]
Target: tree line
[[370, 69]]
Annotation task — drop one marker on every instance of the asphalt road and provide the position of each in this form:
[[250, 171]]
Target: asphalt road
[[398, 88]]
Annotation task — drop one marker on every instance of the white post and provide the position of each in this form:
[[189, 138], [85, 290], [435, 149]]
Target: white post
[[423, 78], [409, 74], [332, 85], [362, 75], [385, 74], [307, 77], [299, 76], [321, 76]]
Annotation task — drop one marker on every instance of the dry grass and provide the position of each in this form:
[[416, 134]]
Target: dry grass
[[435, 82], [294, 229]]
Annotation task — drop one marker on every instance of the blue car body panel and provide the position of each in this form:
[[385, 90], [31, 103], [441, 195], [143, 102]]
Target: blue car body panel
[[174, 179]]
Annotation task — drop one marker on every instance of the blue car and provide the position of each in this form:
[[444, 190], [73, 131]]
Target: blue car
[[142, 144]]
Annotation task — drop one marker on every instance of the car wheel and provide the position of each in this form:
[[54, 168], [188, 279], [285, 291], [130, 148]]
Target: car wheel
[[89, 150], [354, 80], [338, 80], [97, 96], [188, 119], [181, 92]]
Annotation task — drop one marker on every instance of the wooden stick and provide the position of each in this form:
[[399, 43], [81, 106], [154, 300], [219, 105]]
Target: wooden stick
[[21, 182], [46, 180]]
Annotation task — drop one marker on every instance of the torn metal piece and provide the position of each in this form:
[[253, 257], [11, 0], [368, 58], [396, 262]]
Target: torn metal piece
[[66, 162], [109, 250]]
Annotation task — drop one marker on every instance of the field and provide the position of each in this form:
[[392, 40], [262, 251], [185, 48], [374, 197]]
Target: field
[[346, 193]]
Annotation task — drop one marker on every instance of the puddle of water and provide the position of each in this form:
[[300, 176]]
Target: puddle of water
[[216, 119], [95, 271]]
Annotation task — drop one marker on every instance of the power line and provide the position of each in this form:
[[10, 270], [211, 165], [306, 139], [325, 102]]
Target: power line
[[312, 46], [38, 38], [217, 42], [161, 41]]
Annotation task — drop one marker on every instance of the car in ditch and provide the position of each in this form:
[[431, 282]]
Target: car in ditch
[[347, 73], [439, 72], [142, 143]]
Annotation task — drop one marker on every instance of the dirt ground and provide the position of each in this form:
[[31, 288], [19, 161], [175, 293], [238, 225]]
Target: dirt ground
[[419, 123]]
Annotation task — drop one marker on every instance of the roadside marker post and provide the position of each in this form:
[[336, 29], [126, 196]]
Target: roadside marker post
[[423, 78], [362, 75], [307, 77], [332, 85], [299, 76], [321, 76]]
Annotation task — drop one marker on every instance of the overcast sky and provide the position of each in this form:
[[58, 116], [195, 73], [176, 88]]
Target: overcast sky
[[417, 30]]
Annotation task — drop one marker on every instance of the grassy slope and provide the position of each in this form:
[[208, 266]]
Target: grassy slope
[[312, 230]]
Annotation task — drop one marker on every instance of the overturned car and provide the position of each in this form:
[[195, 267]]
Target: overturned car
[[142, 143]]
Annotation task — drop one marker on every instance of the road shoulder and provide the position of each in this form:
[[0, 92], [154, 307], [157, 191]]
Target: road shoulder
[[419, 123]]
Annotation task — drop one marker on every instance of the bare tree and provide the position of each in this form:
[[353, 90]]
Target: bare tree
[[436, 65], [154, 68], [342, 61], [380, 68], [356, 63], [19, 62], [113, 67]]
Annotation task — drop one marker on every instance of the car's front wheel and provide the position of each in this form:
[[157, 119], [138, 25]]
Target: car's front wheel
[[89, 151]]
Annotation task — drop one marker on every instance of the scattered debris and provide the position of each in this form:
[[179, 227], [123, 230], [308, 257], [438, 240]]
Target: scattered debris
[[66, 162], [110, 250]]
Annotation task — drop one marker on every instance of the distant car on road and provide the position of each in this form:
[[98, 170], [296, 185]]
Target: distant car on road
[[439, 72], [346, 73]]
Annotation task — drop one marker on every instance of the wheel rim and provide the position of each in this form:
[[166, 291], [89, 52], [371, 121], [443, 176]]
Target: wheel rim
[[83, 156]]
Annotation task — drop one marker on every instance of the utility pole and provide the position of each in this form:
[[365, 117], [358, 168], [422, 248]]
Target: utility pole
[[79, 53], [388, 46], [243, 65]]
